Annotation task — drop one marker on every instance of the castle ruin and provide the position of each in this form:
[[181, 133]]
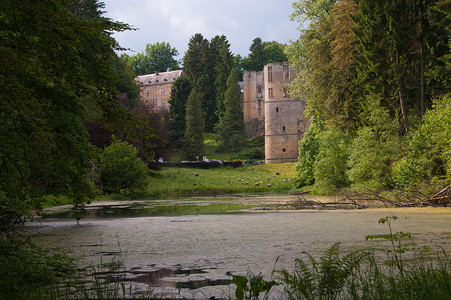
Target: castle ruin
[[269, 109]]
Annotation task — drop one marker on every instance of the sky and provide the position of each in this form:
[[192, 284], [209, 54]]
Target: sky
[[176, 21]]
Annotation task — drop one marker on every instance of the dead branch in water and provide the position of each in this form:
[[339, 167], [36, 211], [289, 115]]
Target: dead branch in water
[[369, 198]]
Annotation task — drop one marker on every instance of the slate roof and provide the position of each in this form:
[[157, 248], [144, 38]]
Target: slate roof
[[158, 78]]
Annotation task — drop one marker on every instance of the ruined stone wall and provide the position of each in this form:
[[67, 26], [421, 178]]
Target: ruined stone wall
[[253, 103], [285, 123]]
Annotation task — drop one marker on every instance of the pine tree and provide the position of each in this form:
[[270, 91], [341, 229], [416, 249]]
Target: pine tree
[[180, 91], [200, 70], [257, 55], [224, 64], [231, 126], [195, 125]]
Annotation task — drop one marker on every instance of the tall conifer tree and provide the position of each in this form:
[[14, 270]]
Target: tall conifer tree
[[257, 55], [180, 91], [231, 126], [224, 64], [200, 70], [195, 125]]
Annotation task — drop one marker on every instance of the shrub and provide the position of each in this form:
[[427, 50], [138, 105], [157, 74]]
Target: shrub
[[308, 150], [374, 149], [253, 153], [121, 170], [25, 267], [329, 168], [429, 148], [257, 141]]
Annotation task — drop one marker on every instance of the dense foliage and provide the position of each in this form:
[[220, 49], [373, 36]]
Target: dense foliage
[[262, 53], [231, 126], [121, 170], [158, 57], [180, 91], [199, 65], [195, 123], [371, 69], [57, 71]]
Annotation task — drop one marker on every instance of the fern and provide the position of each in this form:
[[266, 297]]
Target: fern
[[323, 279]]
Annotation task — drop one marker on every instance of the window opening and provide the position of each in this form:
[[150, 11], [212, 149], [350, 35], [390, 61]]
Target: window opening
[[269, 74]]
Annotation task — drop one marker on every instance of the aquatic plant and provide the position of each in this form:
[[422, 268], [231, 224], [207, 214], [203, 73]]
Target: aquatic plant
[[362, 275], [251, 286]]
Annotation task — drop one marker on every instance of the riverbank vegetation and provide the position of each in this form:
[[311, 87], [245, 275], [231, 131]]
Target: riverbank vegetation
[[377, 79]]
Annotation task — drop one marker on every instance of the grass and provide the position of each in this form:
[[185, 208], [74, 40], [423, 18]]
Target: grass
[[210, 149], [185, 182]]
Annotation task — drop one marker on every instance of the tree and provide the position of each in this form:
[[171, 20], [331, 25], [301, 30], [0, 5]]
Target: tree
[[231, 126], [224, 64], [199, 68], [56, 71], [375, 148], [158, 57], [121, 170], [195, 125], [308, 150], [257, 55], [329, 168], [274, 52], [180, 92]]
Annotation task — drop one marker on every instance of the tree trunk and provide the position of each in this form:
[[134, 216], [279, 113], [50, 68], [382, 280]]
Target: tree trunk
[[401, 95]]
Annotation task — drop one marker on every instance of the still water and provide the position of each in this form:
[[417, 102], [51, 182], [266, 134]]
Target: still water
[[187, 252]]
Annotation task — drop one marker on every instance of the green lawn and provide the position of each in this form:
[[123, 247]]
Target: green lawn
[[180, 182], [187, 182], [210, 146]]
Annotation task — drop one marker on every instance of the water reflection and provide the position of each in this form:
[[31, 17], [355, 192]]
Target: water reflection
[[154, 210], [191, 245]]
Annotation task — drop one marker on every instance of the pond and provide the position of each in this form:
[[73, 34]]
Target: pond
[[184, 248]]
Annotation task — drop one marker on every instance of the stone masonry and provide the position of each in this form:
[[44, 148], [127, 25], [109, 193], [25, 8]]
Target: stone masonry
[[269, 109]]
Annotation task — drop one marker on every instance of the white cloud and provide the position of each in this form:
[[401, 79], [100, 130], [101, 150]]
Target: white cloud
[[176, 21]]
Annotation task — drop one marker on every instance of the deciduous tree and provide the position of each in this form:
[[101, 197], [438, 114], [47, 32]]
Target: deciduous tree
[[158, 57], [56, 60]]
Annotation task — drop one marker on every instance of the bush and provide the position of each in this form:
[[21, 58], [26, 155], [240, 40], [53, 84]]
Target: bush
[[329, 168], [25, 267], [308, 150], [121, 170], [375, 148], [257, 141], [253, 153], [429, 149]]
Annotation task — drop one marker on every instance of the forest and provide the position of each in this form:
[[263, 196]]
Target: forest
[[377, 78]]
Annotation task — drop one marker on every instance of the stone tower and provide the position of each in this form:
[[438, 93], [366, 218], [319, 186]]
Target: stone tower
[[254, 103], [285, 122]]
